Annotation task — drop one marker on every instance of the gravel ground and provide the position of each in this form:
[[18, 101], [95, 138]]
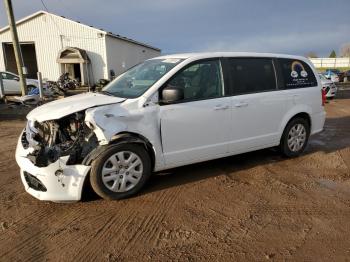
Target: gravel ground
[[255, 206]]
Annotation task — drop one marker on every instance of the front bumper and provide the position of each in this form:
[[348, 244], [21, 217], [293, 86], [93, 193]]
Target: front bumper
[[317, 122], [56, 182]]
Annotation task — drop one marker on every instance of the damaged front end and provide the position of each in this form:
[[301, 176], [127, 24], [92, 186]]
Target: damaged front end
[[66, 137], [52, 150]]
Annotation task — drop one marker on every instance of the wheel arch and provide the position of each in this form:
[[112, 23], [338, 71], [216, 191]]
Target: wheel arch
[[123, 137], [131, 137], [302, 114]]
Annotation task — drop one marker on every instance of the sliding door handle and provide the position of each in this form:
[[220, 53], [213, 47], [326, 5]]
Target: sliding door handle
[[221, 107], [241, 104]]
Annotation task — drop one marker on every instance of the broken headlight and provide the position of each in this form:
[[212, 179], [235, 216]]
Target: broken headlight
[[68, 136]]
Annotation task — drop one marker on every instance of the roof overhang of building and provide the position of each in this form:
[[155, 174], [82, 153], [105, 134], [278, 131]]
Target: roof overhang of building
[[70, 55]]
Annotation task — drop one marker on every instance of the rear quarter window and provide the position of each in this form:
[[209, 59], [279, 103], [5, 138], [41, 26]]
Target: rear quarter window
[[296, 74]]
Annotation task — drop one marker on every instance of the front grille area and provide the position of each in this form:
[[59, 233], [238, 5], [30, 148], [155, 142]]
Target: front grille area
[[34, 183], [24, 140]]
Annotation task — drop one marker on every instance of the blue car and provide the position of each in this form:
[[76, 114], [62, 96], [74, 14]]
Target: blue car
[[332, 74]]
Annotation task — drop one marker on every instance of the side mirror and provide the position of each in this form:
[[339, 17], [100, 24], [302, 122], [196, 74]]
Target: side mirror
[[16, 78], [172, 94]]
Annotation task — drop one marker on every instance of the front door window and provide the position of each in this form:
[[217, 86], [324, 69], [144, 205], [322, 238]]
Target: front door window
[[200, 81]]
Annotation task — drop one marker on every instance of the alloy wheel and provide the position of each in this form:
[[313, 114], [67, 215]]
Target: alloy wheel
[[296, 137]]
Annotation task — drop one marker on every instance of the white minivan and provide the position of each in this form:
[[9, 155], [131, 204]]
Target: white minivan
[[167, 112]]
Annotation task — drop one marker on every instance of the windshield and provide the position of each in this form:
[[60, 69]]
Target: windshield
[[140, 78]]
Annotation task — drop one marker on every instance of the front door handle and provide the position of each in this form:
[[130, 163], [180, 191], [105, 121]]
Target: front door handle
[[221, 107], [241, 104]]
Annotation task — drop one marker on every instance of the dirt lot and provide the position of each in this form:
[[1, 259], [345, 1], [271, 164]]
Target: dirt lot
[[256, 206]]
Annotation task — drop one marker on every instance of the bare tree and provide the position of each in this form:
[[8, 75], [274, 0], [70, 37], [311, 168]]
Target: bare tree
[[311, 54], [345, 50]]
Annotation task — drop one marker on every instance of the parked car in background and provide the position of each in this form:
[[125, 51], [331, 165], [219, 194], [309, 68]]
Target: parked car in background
[[330, 89], [12, 85], [335, 71], [332, 76], [167, 112]]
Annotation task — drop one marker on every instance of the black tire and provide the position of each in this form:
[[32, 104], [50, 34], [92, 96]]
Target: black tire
[[97, 165], [284, 148]]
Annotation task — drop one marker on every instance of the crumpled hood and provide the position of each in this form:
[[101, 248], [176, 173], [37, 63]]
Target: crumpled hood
[[66, 106]]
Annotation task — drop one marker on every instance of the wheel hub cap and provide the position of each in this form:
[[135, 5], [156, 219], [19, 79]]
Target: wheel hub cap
[[122, 171]]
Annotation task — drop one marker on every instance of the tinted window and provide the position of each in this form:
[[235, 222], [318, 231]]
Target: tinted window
[[251, 75], [201, 80], [296, 74]]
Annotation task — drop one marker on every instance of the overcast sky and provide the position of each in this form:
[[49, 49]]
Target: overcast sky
[[284, 26]]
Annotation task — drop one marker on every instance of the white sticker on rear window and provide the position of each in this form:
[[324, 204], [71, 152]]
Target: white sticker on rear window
[[297, 74]]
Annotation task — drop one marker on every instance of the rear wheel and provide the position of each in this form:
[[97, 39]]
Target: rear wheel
[[295, 137], [121, 171]]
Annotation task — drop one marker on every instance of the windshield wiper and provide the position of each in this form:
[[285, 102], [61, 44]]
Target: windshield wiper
[[106, 93], [111, 94]]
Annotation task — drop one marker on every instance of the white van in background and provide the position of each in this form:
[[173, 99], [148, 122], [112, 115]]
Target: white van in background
[[167, 112], [329, 87]]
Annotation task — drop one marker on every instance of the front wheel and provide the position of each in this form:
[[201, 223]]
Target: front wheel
[[121, 171], [295, 137]]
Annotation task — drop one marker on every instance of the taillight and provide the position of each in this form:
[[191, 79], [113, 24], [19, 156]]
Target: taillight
[[324, 98]]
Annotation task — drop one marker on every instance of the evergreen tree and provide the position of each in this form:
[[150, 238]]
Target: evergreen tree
[[333, 54]]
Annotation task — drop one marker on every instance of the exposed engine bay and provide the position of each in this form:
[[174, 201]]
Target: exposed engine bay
[[68, 136]]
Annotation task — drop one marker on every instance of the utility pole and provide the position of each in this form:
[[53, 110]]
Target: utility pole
[[16, 47]]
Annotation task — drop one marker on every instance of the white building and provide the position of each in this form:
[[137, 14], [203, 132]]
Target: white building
[[331, 62], [53, 45]]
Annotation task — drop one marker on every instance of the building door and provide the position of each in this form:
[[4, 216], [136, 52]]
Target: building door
[[77, 73], [28, 56], [73, 70]]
